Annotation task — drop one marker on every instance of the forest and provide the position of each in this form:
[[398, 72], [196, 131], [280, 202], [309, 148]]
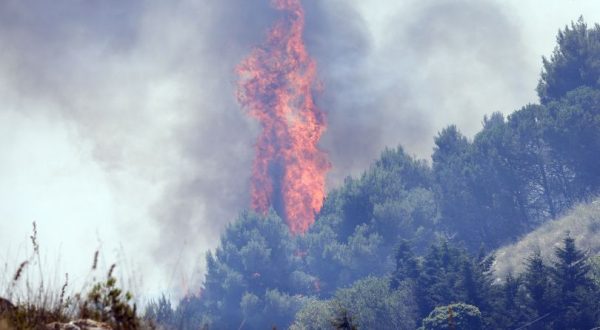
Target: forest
[[411, 243], [425, 244]]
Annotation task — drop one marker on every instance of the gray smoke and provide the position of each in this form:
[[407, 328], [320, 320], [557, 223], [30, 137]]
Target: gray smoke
[[150, 85], [437, 63]]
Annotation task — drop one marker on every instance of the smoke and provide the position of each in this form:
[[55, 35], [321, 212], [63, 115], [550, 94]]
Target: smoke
[[401, 76], [462, 59], [340, 40], [148, 88], [140, 96]]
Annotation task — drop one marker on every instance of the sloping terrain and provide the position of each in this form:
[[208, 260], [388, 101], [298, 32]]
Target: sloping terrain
[[582, 223]]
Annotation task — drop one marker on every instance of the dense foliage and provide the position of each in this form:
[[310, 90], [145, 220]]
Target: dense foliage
[[369, 262], [455, 316]]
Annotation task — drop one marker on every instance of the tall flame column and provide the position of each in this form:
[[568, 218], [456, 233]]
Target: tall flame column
[[276, 85]]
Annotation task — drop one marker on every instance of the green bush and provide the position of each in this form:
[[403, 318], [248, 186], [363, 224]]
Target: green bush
[[456, 316]]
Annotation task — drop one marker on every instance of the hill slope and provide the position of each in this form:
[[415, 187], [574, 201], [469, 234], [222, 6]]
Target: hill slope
[[582, 223]]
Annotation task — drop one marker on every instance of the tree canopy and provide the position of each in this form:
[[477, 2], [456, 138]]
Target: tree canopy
[[409, 242]]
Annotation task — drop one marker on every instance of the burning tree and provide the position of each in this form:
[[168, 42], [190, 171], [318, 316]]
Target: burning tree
[[276, 86]]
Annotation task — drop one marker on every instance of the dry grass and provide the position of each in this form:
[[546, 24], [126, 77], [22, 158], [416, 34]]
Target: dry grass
[[36, 303], [582, 223]]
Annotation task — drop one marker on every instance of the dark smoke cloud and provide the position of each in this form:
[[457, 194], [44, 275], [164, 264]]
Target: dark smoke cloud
[[151, 84], [437, 63], [339, 38]]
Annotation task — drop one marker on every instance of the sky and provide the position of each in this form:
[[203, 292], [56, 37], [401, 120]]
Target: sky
[[120, 132]]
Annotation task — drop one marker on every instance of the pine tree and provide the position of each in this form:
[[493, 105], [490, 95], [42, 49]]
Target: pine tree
[[576, 304], [407, 266], [574, 62], [572, 268], [537, 285], [507, 307]]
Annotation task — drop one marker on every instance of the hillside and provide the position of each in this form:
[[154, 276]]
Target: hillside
[[582, 223], [415, 243], [417, 234]]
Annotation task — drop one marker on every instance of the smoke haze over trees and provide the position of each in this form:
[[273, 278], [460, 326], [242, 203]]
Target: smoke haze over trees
[[125, 112], [403, 244], [408, 243]]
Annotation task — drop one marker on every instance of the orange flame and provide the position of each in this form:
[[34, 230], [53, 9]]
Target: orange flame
[[276, 87]]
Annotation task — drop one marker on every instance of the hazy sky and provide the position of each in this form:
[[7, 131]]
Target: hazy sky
[[119, 129]]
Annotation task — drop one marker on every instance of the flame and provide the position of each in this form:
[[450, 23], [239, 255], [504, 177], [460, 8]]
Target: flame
[[276, 86]]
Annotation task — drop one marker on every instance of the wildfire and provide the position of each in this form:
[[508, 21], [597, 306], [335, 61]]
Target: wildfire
[[276, 87]]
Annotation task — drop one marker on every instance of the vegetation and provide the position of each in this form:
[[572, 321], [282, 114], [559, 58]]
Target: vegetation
[[409, 244], [40, 306], [582, 223], [455, 316], [369, 255], [106, 302]]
